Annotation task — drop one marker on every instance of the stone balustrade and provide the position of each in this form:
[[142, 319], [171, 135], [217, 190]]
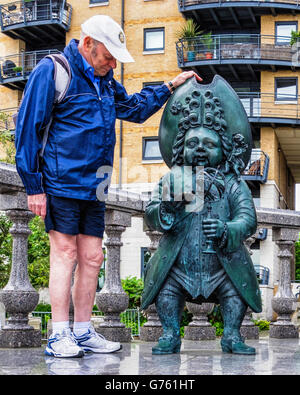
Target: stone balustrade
[[20, 298]]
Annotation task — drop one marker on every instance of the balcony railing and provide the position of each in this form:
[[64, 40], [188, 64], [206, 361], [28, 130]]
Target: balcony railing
[[231, 48], [15, 69], [26, 14], [187, 3], [258, 166], [266, 108]]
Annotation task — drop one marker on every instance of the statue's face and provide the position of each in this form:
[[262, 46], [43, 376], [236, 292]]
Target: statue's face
[[202, 147]]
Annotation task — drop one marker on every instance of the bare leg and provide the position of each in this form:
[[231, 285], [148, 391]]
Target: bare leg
[[63, 254], [89, 261]]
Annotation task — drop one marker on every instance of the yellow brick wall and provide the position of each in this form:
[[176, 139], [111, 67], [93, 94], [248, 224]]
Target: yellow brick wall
[[268, 22]]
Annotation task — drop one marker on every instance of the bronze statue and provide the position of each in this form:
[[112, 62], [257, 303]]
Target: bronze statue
[[205, 211]]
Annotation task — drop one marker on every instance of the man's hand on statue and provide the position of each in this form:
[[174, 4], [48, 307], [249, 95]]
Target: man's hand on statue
[[37, 204], [213, 228], [181, 78]]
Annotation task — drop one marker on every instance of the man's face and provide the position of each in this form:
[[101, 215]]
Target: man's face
[[101, 60], [202, 147]]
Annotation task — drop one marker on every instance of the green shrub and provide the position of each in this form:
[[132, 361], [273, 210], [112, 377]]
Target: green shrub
[[133, 286], [215, 318], [263, 325]]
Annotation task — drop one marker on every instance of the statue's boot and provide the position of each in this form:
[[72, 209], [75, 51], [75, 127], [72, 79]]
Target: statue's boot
[[233, 311], [169, 309]]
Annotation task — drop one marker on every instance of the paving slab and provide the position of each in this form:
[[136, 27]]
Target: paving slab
[[273, 357]]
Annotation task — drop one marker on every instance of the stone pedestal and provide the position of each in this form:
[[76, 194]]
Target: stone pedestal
[[152, 329], [248, 329], [284, 302], [112, 299], [18, 296], [200, 328]]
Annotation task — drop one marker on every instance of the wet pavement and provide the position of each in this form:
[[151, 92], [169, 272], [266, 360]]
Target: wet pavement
[[273, 357]]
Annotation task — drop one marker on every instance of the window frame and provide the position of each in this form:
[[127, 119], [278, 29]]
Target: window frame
[[95, 3], [283, 23], [152, 83], [145, 140], [281, 99], [153, 29]]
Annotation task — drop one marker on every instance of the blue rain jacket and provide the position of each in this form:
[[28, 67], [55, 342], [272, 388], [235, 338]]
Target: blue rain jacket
[[82, 134]]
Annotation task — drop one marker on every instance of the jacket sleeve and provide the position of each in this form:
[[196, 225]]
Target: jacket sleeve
[[34, 114], [243, 221], [138, 107]]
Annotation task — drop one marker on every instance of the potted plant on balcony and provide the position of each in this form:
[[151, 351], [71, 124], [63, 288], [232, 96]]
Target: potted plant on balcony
[[208, 43], [295, 37], [189, 32], [18, 70]]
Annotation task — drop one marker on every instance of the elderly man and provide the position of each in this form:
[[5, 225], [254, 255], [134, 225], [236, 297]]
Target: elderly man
[[62, 190]]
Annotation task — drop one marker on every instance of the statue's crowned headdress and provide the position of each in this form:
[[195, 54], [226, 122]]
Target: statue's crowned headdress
[[216, 107]]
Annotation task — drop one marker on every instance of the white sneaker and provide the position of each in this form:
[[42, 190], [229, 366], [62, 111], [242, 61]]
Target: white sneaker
[[63, 345], [91, 341]]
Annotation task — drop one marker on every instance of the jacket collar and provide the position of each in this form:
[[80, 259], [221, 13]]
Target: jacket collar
[[72, 53]]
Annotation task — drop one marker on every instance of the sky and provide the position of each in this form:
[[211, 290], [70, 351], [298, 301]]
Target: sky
[[297, 197]]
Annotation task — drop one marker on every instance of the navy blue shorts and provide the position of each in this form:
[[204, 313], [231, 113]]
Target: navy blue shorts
[[74, 216]]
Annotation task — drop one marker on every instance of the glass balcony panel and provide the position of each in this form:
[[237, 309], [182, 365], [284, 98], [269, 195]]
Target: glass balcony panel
[[257, 167]]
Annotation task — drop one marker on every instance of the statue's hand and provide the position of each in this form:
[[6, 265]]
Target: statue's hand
[[213, 228], [167, 213]]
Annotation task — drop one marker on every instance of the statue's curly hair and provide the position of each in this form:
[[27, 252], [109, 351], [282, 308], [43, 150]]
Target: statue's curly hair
[[206, 110]]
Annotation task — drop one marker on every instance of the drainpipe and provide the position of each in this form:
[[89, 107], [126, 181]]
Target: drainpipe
[[121, 122]]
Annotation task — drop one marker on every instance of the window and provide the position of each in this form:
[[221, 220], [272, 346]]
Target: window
[[283, 32], [154, 39], [153, 83], [286, 89], [151, 149], [98, 2]]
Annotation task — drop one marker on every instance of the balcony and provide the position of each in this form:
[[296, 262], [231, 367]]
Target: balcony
[[235, 14], [258, 167], [236, 57], [263, 109], [40, 22], [15, 69]]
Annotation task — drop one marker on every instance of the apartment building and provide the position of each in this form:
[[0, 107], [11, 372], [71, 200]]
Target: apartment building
[[248, 44]]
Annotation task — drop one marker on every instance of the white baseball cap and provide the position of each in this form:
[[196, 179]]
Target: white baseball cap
[[105, 30]]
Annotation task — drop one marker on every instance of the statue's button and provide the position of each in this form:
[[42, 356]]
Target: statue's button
[[151, 282], [244, 284], [164, 257]]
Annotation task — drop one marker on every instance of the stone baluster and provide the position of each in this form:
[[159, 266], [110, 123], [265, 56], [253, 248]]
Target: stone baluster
[[152, 329], [200, 328], [18, 296], [284, 302], [112, 299], [248, 329]]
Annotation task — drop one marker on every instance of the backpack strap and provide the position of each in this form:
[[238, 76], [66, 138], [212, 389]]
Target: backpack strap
[[62, 78]]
